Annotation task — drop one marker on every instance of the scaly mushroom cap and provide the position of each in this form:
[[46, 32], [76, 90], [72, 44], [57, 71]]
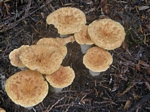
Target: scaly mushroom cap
[[63, 77], [43, 58], [106, 33], [53, 42], [97, 59], [67, 20], [82, 37], [14, 56], [26, 88]]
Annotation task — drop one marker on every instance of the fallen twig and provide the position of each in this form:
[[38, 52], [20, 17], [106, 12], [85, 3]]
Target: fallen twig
[[140, 103]]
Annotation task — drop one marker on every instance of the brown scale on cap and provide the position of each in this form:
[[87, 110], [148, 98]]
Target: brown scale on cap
[[43, 58], [26, 88], [14, 56], [67, 20], [97, 59], [63, 77], [106, 33]]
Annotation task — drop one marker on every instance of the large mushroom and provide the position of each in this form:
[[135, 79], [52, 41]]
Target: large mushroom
[[97, 60], [67, 20], [106, 33], [43, 58], [62, 78], [26, 88]]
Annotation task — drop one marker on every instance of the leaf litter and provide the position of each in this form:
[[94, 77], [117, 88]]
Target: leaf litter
[[125, 86]]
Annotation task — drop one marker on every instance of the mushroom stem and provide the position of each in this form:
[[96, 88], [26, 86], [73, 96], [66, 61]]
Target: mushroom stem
[[23, 68], [29, 108], [63, 36], [94, 73], [84, 48], [57, 90]]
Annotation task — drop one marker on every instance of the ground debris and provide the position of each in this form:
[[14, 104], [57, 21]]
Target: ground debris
[[123, 87]]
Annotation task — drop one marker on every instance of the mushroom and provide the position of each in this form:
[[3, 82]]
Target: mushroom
[[67, 20], [97, 60], [26, 88], [82, 37], [53, 42], [62, 78], [106, 33], [14, 56], [43, 58], [2, 110], [56, 41]]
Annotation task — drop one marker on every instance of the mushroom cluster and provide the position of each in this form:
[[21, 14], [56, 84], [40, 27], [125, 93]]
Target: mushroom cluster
[[106, 34], [29, 87]]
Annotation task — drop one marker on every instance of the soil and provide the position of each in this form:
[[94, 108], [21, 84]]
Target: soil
[[124, 87]]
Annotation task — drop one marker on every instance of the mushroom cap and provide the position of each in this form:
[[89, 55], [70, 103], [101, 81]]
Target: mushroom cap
[[53, 42], [14, 56], [66, 40], [67, 20], [2, 110], [63, 77], [106, 33], [82, 37], [43, 58], [26, 88], [97, 59]]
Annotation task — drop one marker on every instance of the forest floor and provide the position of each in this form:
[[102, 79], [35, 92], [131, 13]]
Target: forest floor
[[124, 87]]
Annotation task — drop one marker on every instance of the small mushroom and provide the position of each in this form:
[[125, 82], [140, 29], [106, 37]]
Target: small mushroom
[[82, 37], [62, 78], [43, 58], [26, 88], [14, 56], [106, 33], [97, 60], [2, 110], [67, 20]]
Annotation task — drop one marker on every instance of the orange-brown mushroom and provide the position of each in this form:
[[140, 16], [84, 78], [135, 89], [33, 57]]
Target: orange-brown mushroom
[[63, 77], [82, 37], [106, 33], [67, 20], [97, 60], [26, 88], [43, 58]]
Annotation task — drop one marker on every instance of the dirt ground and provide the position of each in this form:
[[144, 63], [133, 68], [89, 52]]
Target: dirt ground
[[124, 87]]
